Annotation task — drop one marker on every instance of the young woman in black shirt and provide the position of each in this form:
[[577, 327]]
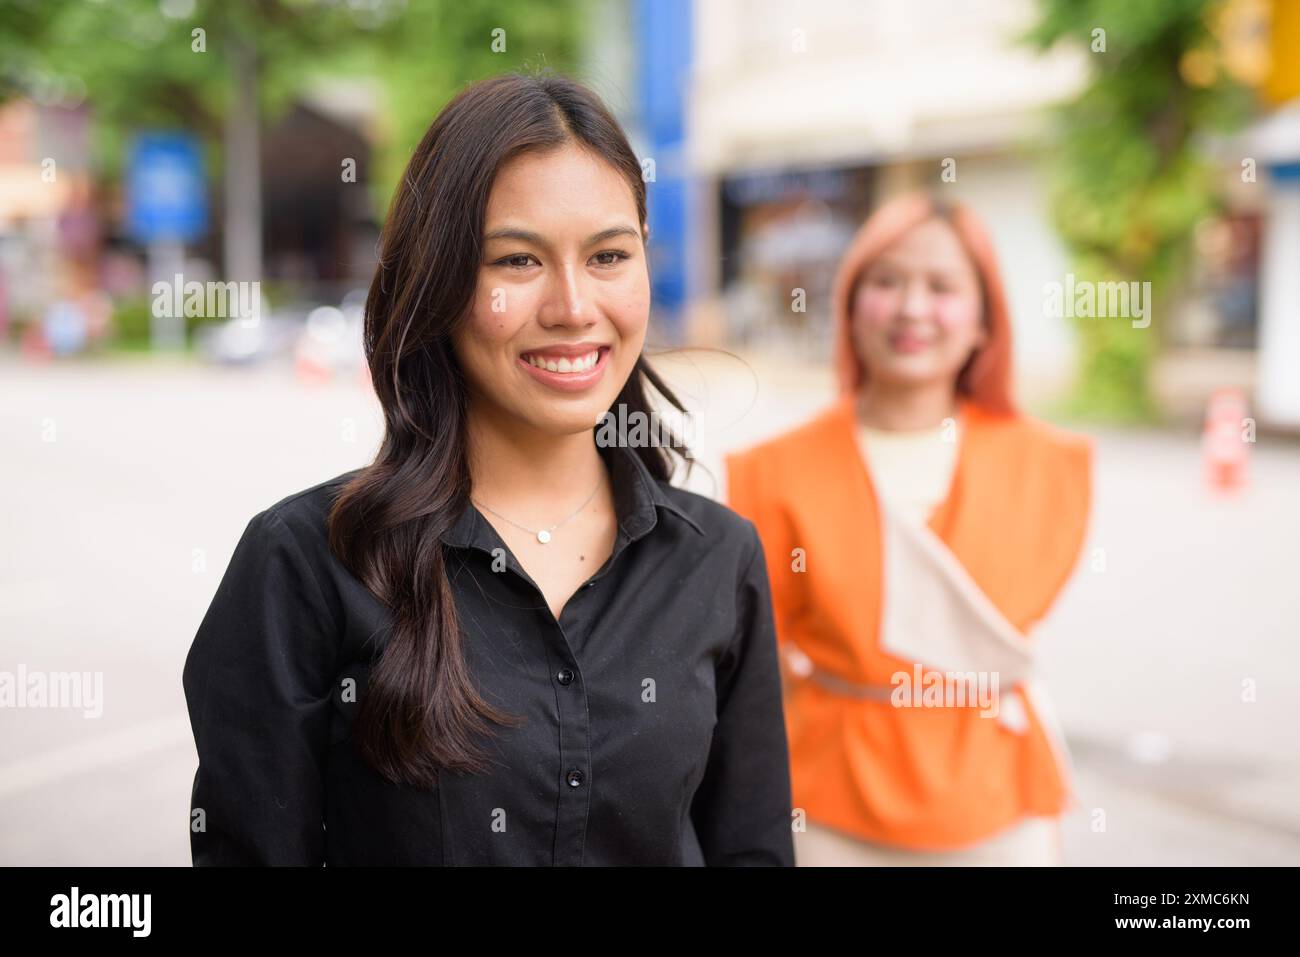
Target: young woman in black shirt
[[508, 640]]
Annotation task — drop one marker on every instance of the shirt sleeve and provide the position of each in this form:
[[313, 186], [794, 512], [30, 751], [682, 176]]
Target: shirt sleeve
[[258, 682], [741, 810]]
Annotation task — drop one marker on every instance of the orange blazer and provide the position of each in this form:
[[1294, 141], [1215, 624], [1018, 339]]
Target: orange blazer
[[1015, 518]]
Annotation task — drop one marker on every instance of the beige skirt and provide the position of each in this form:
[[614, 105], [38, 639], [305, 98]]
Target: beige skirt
[[1033, 842]]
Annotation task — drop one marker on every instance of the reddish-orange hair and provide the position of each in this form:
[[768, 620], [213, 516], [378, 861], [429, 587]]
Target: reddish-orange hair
[[986, 377]]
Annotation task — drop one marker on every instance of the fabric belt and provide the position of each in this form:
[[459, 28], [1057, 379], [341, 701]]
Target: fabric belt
[[802, 667]]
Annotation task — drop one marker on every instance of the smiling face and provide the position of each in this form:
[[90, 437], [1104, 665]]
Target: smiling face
[[563, 294], [917, 311]]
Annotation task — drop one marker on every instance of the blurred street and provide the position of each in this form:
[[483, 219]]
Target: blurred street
[[128, 482]]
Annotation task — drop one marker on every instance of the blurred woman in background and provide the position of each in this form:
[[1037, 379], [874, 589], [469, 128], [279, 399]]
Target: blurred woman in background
[[914, 532]]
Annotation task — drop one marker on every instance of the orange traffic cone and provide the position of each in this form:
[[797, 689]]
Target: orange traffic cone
[[1229, 433]]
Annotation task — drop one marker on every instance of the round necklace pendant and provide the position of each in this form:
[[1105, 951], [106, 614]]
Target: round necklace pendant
[[543, 536]]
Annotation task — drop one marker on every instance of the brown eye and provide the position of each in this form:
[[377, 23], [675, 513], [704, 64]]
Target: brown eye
[[617, 254], [517, 261]]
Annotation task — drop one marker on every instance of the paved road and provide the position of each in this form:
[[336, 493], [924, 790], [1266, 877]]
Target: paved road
[[127, 483]]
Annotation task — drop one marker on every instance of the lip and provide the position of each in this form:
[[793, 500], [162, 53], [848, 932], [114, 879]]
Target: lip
[[907, 344], [567, 381], [566, 349]]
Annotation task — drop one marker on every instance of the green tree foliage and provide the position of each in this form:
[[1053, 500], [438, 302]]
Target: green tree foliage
[[136, 63], [1129, 179], [454, 44]]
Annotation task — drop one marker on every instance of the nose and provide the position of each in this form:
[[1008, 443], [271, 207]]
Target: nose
[[568, 301], [916, 300]]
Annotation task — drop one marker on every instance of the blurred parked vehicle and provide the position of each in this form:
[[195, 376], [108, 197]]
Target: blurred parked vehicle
[[330, 343], [240, 341]]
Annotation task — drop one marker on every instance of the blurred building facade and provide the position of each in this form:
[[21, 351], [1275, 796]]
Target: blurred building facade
[[71, 267], [49, 222], [1275, 144], [798, 119], [805, 117]]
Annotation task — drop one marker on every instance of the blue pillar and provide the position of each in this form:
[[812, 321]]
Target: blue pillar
[[663, 41]]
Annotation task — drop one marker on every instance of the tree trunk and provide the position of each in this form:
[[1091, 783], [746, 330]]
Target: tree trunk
[[243, 226]]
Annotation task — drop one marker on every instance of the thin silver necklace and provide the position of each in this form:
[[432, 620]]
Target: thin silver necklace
[[544, 534]]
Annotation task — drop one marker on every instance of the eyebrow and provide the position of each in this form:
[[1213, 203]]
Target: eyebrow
[[523, 235], [884, 263]]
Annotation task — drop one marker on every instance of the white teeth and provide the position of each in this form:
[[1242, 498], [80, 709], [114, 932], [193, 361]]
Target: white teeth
[[565, 364]]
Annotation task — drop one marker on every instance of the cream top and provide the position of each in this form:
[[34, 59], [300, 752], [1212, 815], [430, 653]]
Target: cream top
[[911, 469]]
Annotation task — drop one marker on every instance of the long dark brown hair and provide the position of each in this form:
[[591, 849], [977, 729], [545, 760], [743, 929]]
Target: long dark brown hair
[[421, 711]]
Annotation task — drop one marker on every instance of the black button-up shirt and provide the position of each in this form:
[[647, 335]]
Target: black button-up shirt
[[653, 729]]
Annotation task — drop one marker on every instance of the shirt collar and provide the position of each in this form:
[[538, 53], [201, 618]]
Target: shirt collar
[[638, 497]]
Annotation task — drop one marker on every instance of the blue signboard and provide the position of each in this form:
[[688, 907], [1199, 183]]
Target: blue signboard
[[165, 192]]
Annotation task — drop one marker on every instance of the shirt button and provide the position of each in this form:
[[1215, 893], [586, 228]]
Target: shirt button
[[565, 676], [575, 778]]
